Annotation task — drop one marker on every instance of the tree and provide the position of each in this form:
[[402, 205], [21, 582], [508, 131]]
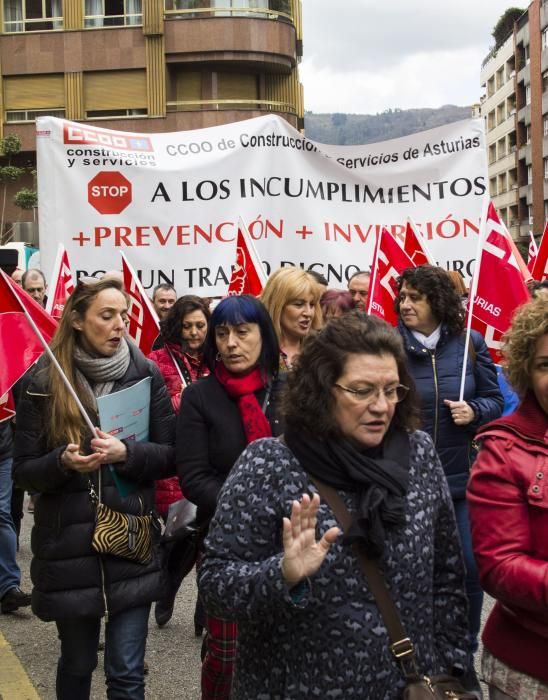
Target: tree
[[25, 198], [505, 26]]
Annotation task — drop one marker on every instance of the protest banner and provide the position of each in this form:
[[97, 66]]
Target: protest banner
[[173, 200]]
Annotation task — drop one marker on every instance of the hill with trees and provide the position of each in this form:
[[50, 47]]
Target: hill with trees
[[350, 129]]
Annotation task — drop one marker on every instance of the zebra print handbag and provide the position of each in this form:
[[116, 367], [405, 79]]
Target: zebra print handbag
[[121, 534]]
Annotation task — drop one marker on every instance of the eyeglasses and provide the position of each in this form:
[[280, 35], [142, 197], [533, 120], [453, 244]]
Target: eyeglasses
[[367, 395]]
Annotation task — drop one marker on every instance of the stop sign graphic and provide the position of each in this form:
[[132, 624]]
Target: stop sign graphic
[[109, 192]]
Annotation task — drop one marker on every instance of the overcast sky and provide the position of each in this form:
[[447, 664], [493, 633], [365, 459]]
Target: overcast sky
[[365, 56]]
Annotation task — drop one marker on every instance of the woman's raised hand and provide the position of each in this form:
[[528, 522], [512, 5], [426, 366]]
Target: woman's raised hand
[[303, 555]]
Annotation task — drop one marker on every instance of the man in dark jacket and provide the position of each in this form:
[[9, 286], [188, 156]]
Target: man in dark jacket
[[11, 595]]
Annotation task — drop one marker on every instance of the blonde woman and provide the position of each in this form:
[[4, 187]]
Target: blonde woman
[[292, 298]]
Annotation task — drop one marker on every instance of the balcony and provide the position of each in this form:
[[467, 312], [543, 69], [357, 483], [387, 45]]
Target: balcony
[[266, 46]]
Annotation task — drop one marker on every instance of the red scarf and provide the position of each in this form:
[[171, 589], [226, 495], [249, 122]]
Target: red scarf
[[242, 387]]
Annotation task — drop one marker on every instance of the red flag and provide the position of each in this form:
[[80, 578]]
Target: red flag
[[61, 286], [389, 261], [532, 252], [500, 286], [415, 246], [144, 326], [248, 275], [7, 407], [540, 268], [19, 344]]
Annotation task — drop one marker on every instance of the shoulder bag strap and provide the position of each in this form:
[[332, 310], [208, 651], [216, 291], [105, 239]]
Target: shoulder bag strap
[[400, 644]]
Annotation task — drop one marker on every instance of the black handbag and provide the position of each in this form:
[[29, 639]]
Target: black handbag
[[418, 687], [180, 521]]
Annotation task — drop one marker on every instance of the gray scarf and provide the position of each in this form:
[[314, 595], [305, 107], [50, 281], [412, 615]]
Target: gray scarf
[[97, 375]]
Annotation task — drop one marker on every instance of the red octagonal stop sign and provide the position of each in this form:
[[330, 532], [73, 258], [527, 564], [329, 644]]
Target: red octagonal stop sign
[[109, 192]]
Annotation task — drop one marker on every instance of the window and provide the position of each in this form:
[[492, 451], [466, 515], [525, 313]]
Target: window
[[116, 93], [528, 94], [32, 15], [530, 214], [526, 54], [28, 96], [545, 38], [115, 113], [30, 115], [112, 13], [546, 168], [529, 174], [545, 126]]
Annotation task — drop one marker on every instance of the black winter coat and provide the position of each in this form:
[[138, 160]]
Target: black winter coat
[[211, 437], [70, 579], [437, 376]]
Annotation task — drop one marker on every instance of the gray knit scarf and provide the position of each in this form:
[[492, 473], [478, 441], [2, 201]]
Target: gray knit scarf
[[97, 375]]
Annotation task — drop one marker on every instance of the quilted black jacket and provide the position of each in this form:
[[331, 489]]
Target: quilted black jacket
[[70, 580]]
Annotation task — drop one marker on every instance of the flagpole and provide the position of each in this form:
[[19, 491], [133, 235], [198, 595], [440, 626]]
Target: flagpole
[[251, 245], [373, 279], [56, 364], [473, 289]]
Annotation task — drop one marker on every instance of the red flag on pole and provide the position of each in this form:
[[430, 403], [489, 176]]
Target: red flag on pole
[[248, 273], [61, 286], [19, 345], [539, 271], [144, 326], [389, 261], [7, 407], [500, 284], [415, 246], [532, 252]]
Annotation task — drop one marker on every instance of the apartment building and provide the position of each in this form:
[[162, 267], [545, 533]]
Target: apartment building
[[147, 65], [498, 107], [531, 48]]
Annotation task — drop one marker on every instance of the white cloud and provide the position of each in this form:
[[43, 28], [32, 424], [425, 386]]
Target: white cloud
[[364, 57]]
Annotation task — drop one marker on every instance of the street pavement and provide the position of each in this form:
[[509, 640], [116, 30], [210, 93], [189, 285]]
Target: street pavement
[[173, 652]]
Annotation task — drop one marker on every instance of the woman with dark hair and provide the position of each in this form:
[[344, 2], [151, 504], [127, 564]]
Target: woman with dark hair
[[56, 456], [431, 326], [219, 416], [275, 560], [508, 502], [335, 303], [181, 362]]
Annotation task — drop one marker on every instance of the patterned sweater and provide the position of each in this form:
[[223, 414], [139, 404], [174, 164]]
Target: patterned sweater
[[332, 642]]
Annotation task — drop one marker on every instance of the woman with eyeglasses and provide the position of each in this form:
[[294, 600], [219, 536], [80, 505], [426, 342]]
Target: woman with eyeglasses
[[276, 561], [431, 325]]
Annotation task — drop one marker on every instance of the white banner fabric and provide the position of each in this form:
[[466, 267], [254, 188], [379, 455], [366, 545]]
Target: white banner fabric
[[171, 201]]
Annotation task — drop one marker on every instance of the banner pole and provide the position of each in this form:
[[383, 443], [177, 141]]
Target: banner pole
[[473, 290]]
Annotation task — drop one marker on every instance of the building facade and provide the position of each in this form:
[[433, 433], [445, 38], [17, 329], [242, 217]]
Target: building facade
[[515, 107], [148, 65], [498, 107]]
